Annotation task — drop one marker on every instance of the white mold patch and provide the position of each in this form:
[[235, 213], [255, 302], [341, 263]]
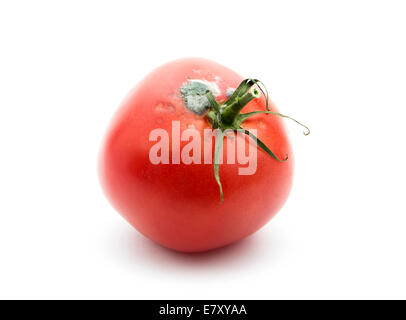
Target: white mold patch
[[229, 92], [193, 92]]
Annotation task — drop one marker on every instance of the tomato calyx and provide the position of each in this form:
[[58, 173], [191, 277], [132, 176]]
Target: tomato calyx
[[228, 116]]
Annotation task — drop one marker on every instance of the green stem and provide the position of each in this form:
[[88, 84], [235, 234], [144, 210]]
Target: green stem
[[228, 117], [232, 110]]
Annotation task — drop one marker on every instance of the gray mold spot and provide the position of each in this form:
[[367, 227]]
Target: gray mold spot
[[193, 92], [229, 92]]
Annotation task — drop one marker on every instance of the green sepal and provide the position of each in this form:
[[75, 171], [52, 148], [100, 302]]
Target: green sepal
[[244, 116], [227, 117], [263, 145], [244, 86], [217, 149], [264, 91], [212, 101], [213, 119]]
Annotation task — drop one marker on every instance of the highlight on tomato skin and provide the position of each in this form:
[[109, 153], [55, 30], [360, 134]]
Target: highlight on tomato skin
[[197, 157]]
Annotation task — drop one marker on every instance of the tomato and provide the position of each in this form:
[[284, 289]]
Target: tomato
[[176, 204]]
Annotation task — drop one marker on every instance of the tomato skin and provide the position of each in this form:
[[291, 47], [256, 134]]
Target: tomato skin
[[177, 205]]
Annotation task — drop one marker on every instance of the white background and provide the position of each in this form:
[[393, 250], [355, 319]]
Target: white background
[[338, 66]]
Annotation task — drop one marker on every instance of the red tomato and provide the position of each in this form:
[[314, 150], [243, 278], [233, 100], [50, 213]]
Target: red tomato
[[177, 205]]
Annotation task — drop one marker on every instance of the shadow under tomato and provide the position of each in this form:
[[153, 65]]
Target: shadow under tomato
[[140, 252]]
